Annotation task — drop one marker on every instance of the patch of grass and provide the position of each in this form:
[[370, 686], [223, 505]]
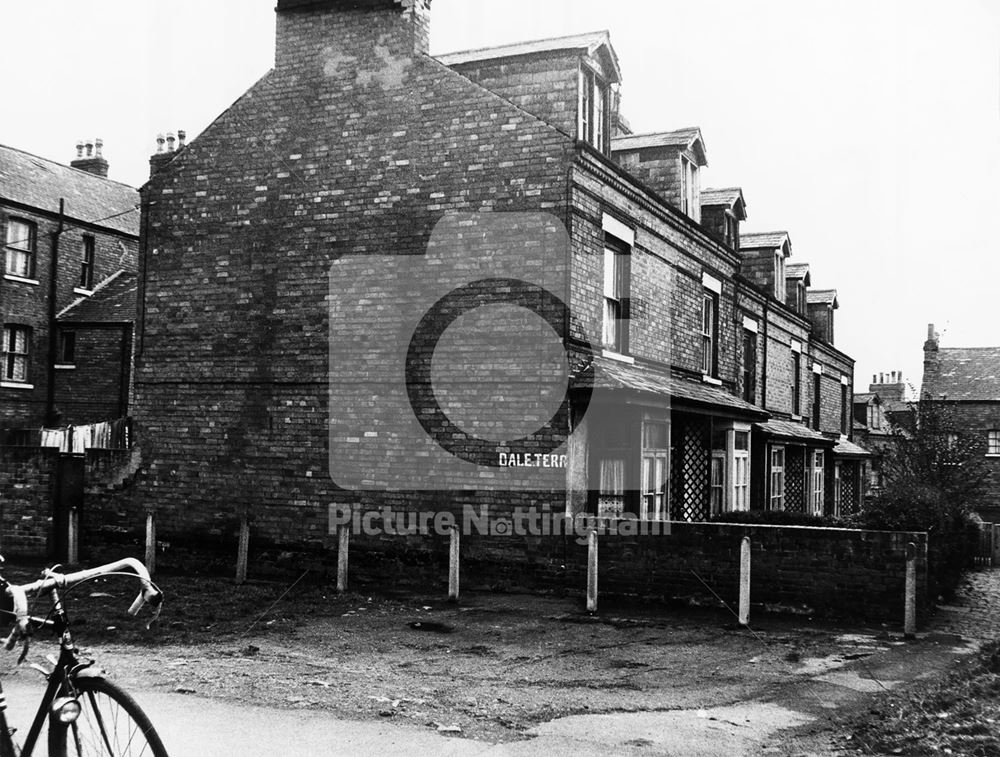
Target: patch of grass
[[959, 715]]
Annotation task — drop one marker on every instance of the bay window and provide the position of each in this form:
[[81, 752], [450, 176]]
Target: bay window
[[777, 490], [816, 488], [729, 474], [655, 470]]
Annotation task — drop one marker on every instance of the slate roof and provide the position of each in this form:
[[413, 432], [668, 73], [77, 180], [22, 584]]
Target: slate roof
[[797, 271], [965, 374], [847, 448], [40, 183], [730, 197], [590, 42], [791, 430], [605, 373], [113, 301], [822, 297], [688, 139], [765, 239]]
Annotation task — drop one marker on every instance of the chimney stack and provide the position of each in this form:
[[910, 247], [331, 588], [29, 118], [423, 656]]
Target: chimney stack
[[167, 148], [317, 38], [90, 158]]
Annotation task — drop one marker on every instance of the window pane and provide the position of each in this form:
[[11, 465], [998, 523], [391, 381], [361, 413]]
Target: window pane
[[742, 441], [611, 265], [18, 263], [19, 235], [654, 435], [612, 322]]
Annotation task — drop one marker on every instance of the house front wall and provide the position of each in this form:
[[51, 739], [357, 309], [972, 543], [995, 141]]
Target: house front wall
[[979, 418]]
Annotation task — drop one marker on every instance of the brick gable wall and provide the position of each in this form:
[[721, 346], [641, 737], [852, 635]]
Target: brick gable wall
[[323, 158]]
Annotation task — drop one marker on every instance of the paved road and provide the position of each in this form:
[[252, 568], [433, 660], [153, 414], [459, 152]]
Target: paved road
[[195, 727]]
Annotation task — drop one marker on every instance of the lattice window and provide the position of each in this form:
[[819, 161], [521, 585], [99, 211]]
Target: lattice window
[[849, 489], [690, 469], [795, 492]]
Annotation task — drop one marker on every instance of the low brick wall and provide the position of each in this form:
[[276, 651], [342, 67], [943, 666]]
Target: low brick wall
[[819, 571], [27, 498]]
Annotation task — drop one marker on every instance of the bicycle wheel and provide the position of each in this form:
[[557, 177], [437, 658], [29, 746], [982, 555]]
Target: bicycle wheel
[[110, 724]]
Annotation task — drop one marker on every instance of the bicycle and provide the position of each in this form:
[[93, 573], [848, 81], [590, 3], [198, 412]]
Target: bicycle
[[87, 714]]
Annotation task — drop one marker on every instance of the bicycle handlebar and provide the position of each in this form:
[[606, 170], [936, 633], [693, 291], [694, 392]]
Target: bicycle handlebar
[[53, 580]]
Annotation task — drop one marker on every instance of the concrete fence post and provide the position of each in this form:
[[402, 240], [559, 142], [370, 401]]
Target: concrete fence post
[[592, 572], [454, 554], [343, 547], [745, 582], [73, 537], [910, 613], [151, 542], [243, 551]]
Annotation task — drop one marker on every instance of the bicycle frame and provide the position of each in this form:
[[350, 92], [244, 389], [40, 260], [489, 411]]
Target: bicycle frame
[[67, 668]]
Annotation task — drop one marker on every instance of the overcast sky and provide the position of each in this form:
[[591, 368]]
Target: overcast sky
[[868, 129]]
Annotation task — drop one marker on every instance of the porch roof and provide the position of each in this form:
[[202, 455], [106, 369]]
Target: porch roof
[[793, 431], [605, 373], [847, 448]]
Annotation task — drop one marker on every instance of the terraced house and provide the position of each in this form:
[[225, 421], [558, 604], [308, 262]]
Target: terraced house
[[703, 372], [966, 380], [67, 231]]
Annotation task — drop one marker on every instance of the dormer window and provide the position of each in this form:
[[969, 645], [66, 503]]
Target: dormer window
[[594, 126], [690, 190]]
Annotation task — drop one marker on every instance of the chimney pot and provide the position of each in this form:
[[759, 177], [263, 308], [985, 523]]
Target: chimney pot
[[79, 148], [90, 148], [181, 138], [930, 331], [99, 146], [160, 140], [170, 141]]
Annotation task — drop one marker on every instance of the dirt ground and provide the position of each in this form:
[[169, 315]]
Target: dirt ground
[[492, 666]]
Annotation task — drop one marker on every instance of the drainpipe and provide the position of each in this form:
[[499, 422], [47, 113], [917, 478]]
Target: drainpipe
[[51, 416], [763, 373]]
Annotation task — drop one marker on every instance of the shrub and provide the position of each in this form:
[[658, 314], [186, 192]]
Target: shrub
[[778, 518], [933, 479]]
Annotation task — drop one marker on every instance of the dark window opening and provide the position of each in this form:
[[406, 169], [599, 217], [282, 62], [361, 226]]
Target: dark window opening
[[796, 384], [87, 264], [710, 334], [749, 366], [67, 348], [817, 378], [844, 415]]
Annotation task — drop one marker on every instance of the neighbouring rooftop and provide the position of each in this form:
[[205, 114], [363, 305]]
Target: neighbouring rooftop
[[590, 43], [764, 240], [40, 183], [113, 301], [965, 374]]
